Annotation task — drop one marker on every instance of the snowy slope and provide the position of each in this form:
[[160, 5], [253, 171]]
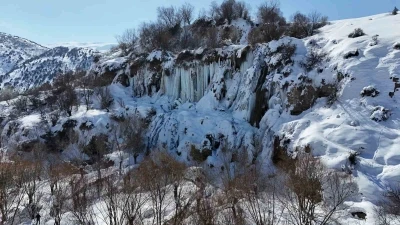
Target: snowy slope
[[98, 46], [43, 68], [355, 122], [348, 125], [14, 50]]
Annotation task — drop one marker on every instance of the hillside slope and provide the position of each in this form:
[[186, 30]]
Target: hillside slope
[[252, 99], [360, 120], [14, 50], [44, 67]]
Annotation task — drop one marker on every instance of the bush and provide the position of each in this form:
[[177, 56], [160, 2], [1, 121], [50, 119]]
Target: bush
[[229, 10], [350, 54], [358, 32], [305, 25], [369, 91], [265, 33], [21, 104], [353, 158], [270, 13], [7, 94], [154, 35], [395, 11], [313, 59], [127, 41], [105, 98]]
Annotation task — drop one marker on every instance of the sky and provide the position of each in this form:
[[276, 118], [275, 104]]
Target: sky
[[58, 21]]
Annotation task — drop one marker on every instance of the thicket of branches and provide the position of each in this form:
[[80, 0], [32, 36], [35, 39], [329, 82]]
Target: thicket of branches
[[177, 28], [162, 190]]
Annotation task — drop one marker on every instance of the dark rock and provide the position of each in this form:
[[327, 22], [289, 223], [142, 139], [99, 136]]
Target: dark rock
[[123, 79], [350, 54], [70, 124], [359, 215], [86, 126], [369, 91], [301, 98], [200, 155]]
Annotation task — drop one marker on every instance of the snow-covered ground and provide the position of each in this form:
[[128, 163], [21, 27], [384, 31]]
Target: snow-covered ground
[[193, 104]]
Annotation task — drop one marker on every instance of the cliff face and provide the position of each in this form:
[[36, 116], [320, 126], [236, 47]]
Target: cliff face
[[240, 79]]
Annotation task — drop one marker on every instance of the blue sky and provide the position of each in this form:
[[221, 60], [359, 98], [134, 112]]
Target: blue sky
[[57, 21]]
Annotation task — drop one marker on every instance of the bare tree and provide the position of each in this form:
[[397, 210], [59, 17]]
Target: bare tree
[[7, 93], [32, 186], [82, 197], [186, 12], [300, 25], [11, 193], [270, 13], [154, 36], [135, 198], [87, 92], [159, 179], [113, 202], [21, 104], [316, 20], [105, 98], [337, 190], [227, 10], [59, 175], [133, 130], [127, 40], [304, 190], [214, 10], [169, 16], [309, 186], [63, 88]]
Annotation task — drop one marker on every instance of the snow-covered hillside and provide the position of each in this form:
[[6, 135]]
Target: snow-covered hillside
[[334, 95], [295, 101], [14, 50], [44, 67]]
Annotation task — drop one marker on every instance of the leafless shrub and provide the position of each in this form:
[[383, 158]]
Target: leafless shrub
[[105, 98], [169, 16], [212, 38], [21, 104], [395, 11], [154, 35], [7, 93], [82, 199], [313, 59], [11, 194], [229, 10], [133, 130], [270, 13], [160, 177], [265, 33], [186, 12], [358, 32], [310, 187], [305, 25], [67, 100], [127, 40], [64, 92]]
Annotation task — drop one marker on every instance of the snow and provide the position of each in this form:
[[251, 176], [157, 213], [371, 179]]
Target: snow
[[203, 102], [30, 121], [98, 46]]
